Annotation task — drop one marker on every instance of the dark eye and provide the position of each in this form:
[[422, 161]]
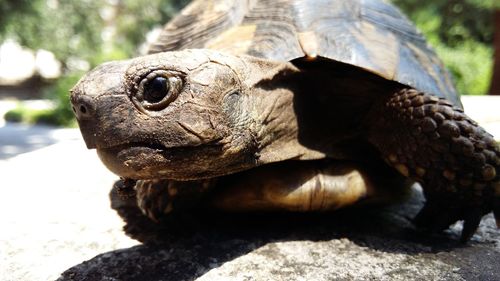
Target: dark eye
[[156, 90]]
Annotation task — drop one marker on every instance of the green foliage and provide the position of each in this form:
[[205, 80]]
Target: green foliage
[[62, 114], [461, 32], [485, 4], [470, 64], [10, 9], [65, 28], [30, 116], [77, 30], [137, 18], [114, 53], [17, 114]]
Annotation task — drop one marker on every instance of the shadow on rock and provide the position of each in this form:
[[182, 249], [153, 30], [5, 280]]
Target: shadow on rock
[[189, 245]]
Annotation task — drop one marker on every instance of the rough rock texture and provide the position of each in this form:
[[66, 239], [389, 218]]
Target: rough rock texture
[[54, 212], [352, 245]]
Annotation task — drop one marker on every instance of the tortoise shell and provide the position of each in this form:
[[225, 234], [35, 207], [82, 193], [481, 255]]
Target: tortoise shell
[[369, 34]]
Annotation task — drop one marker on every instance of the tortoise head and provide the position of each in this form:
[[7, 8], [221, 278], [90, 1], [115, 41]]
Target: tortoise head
[[178, 115]]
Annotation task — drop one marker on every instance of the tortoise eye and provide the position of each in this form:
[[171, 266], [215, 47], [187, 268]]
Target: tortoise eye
[[156, 90]]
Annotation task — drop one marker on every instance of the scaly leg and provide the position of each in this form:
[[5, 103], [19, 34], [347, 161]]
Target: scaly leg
[[433, 142], [158, 198]]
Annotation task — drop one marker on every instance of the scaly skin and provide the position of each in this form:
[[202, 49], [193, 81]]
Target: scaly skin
[[457, 162], [157, 198]]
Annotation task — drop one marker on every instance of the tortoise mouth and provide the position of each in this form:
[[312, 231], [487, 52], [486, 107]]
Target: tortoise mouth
[[133, 145], [136, 160], [144, 160], [139, 145]]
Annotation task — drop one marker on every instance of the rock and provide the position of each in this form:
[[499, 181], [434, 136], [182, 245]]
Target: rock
[[54, 210], [55, 214], [356, 244]]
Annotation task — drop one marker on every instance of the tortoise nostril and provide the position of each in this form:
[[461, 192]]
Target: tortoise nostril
[[83, 106], [83, 109]]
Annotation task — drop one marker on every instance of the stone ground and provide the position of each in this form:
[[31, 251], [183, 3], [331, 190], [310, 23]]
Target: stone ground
[[54, 208], [56, 222]]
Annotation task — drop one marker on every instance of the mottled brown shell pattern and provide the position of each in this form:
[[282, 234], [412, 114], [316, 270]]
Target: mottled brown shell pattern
[[370, 34]]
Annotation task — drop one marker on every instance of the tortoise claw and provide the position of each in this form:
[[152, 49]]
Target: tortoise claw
[[153, 199], [496, 211], [434, 219], [471, 223], [424, 216], [160, 199], [125, 188]]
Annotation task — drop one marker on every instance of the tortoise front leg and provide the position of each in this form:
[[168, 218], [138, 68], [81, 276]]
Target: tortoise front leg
[[159, 198], [457, 162]]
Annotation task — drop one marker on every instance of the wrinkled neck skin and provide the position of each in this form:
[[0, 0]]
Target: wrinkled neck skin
[[271, 106]]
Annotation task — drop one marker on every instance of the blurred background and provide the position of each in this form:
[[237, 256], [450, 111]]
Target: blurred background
[[46, 45]]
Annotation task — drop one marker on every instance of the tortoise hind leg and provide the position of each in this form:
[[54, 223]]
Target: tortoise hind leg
[[428, 139]]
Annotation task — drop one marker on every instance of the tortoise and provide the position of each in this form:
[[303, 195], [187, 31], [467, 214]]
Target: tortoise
[[289, 106]]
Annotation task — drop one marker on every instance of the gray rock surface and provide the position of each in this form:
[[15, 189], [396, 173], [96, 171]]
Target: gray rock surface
[[54, 206], [357, 244]]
